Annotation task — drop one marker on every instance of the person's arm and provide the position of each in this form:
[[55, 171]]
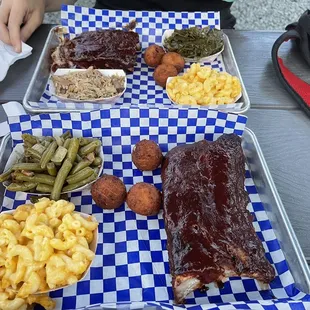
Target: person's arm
[[29, 13]]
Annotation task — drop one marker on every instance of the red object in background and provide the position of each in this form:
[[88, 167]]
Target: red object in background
[[299, 32], [300, 86]]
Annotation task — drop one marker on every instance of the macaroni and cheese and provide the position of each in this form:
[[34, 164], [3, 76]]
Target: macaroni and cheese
[[203, 86], [42, 247]]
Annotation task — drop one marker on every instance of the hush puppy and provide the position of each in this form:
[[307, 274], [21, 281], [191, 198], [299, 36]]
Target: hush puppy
[[108, 192], [144, 199], [153, 55], [162, 72], [174, 59], [146, 155]]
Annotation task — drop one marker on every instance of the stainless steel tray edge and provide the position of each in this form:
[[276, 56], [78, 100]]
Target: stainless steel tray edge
[[277, 214], [3, 159], [3, 145], [231, 66], [228, 53]]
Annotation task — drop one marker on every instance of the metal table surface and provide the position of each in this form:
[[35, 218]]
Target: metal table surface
[[284, 138], [282, 130]]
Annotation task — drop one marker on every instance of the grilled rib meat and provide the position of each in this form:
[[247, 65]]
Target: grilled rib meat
[[210, 235], [102, 49]]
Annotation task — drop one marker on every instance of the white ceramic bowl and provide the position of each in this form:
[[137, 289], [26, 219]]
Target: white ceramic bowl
[[210, 58], [104, 72], [92, 247], [18, 153], [233, 104]]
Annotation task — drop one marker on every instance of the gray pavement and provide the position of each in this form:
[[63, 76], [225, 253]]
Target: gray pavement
[[251, 14], [267, 14]]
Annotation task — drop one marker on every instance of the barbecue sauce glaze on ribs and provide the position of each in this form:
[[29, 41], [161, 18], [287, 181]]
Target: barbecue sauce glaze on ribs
[[210, 235], [102, 49]]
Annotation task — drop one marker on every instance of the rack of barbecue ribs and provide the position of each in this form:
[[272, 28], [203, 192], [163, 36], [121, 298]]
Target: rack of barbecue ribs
[[210, 235], [101, 49]]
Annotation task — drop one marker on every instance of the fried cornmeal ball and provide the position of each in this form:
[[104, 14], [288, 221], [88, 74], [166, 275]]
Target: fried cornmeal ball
[[162, 72], [174, 59], [153, 55], [108, 192], [144, 199], [146, 155]]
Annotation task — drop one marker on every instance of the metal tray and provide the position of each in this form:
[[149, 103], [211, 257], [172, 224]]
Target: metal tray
[[268, 195], [41, 74], [276, 211], [5, 152], [231, 67]]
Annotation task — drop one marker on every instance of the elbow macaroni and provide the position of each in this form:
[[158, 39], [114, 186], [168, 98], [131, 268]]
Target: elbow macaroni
[[204, 86], [42, 247]]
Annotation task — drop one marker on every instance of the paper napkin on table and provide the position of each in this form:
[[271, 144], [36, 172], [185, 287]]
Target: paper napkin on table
[[8, 56]]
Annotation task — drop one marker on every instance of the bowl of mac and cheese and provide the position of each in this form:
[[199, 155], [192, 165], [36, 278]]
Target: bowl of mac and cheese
[[204, 86], [44, 247]]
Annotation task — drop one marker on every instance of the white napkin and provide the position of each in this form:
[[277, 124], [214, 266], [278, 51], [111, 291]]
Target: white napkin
[[8, 56]]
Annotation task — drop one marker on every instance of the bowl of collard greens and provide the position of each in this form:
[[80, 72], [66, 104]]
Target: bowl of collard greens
[[194, 44]]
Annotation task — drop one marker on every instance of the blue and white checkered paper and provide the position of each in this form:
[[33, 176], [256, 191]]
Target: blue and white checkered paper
[[131, 263], [141, 88]]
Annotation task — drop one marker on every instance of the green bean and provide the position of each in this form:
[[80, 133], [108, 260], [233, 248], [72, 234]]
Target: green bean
[[66, 135], [37, 178], [44, 178], [60, 141], [79, 176], [74, 186], [39, 148], [48, 154], [98, 149], [85, 141], [81, 165], [44, 188], [27, 155], [27, 144], [73, 149], [29, 138], [91, 147], [60, 179], [28, 166], [78, 158], [91, 156], [48, 139], [67, 143], [51, 169], [97, 161], [96, 170], [45, 143], [21, 177], [33, 153], [5, 175], [59, 155], [22, 187]]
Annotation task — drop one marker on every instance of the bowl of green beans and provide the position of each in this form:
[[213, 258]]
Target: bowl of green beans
[[53, 165]]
